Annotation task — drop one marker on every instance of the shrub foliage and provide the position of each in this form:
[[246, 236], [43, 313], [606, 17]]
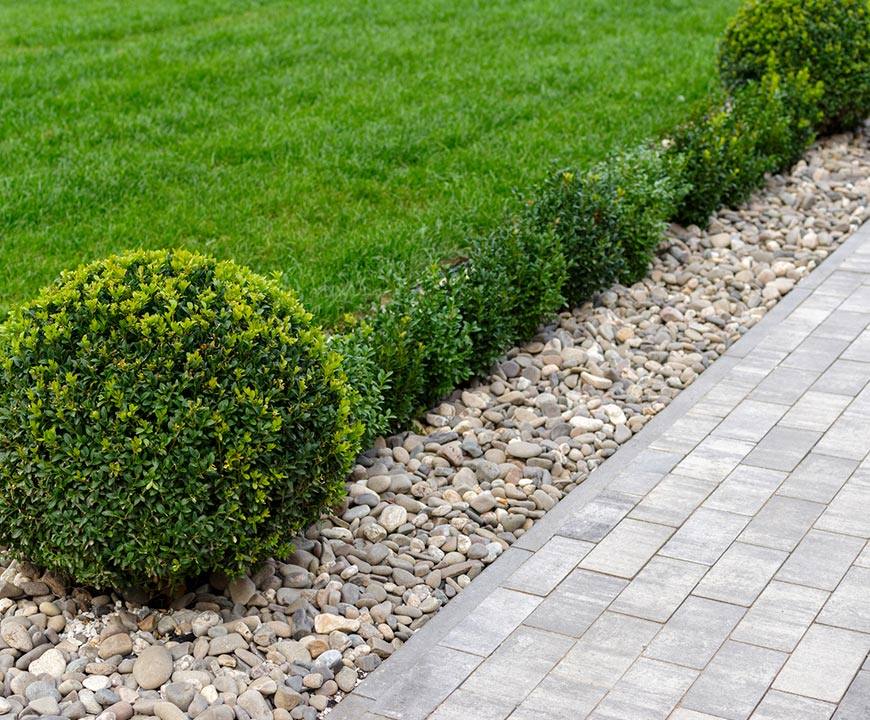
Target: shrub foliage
[[163, 414], [608, 219], [729, 144], [829, 39]]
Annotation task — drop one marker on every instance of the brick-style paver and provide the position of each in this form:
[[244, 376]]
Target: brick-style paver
[[718, 570]]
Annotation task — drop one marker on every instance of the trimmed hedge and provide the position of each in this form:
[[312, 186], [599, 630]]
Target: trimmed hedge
[[164, 415], [610, 219], [449, 327], [828, 39], [729, 144]]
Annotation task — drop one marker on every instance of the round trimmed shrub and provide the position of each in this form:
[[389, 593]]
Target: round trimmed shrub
[[163, 414], [830, 38]]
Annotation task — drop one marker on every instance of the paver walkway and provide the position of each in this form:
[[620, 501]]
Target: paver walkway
[[716, 569]]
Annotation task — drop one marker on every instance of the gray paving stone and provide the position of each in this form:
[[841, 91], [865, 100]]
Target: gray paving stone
[[750, 420], [686, 432], [784, 385], [598, 517], [843, 325], [815, 353], [714, 458], [782, 522], [705, 536], [859, 348], [659, 588], [416, 694], [739, 576], [546, 568], [856, 703], [824, 663], [635, 482], [685, 714], [745, 490], [735, 680], [791, 332], [627, 548], [807, 316], [652, 460], [780, 616], [849, 606], [759, 363], [840, 283], [355, 707], [783, 706], [695, 632], [606, 650], [818, 478], [860, 405], [815, 411], [576, 603], [721, 399], [863, 560], [672, 500], [783, 448], [821, 560], [858, 300], [856, 264], [848, 437], [648, 691], [462, 705], [519, 664], [491, 622], [559, 696], [845, 377], [848, 512]]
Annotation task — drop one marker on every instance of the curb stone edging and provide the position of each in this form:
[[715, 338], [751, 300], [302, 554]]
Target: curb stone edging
[[358, 704]]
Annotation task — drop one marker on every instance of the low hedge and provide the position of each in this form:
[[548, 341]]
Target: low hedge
[[827, 39], [164, 415], [608, 219], [733, 140]]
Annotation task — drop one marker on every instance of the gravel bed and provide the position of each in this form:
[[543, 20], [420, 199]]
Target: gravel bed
[[428, 510]]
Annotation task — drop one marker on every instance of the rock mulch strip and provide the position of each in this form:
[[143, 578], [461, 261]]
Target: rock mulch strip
[[427, 511]]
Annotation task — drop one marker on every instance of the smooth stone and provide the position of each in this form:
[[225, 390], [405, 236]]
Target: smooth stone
[[117, 644], [153, 667]]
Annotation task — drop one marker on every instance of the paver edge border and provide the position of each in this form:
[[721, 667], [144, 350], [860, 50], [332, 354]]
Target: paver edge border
[[403, 660]]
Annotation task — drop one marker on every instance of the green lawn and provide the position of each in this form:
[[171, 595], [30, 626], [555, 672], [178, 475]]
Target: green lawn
[[334, 141]]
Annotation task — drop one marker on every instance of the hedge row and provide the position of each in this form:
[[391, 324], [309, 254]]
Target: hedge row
[[163, 415]]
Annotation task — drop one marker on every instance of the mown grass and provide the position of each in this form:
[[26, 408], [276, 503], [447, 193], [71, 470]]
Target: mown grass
[[336, 142]]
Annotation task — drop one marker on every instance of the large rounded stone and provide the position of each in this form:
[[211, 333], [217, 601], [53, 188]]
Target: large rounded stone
[[118, 644], [51, 662], [153, 667]]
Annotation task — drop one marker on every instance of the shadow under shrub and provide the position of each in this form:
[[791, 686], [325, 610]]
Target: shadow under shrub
[[163, 414], [829, 39]]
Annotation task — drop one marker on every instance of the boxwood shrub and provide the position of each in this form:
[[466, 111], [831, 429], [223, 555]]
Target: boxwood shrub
[[608, 219], [162, 415], [451, 325], [830, 39], [732, 140], [512, 281]]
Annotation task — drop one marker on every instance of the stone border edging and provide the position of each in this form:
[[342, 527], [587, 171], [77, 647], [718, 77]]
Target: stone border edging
[[364, 696]]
